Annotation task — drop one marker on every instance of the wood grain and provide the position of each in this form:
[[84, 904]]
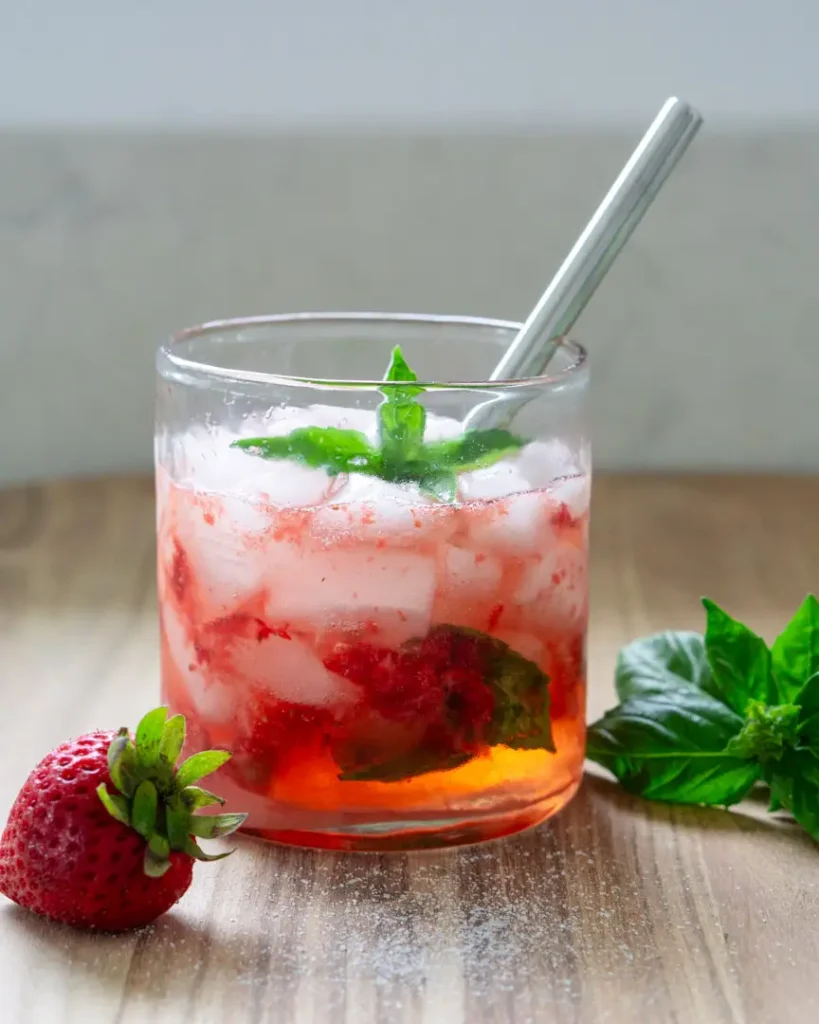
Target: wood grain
[[617, 911]]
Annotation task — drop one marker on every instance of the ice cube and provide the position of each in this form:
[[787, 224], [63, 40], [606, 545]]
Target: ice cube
[[442, 428], [212, 699], [543, 462], [291, 485], [468, 587], [384, 627], [496, 481], [226, 565], [366, 508], [281, 420], [514, 526], [358, 488], [574, 492], [212, 466], [320, 589], [218, 540], [554, 588], [288, 669], [204, 459], [470, 573]]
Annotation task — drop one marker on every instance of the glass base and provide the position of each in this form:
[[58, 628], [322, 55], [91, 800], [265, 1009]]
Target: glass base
[[425, 834]]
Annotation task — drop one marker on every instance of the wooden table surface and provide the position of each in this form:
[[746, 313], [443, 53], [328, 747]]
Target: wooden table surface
[[617, 911]]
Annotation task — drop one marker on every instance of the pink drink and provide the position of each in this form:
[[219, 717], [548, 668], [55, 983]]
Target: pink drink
[[351, 640]]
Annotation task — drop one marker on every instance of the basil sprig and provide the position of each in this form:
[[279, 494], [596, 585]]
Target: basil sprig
[[702, 719], [401, 454]]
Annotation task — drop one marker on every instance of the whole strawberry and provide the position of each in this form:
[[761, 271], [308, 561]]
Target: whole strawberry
[[77, 853]]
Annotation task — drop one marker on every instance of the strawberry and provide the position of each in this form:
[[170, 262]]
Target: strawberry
[[77, 853]]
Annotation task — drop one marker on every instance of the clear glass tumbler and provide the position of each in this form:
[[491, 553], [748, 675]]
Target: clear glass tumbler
[[374, 592]]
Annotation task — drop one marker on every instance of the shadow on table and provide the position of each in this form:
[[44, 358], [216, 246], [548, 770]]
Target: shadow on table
[[167, 962], [751, 815]]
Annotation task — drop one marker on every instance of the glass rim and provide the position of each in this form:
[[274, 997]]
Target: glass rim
[[200, 368]]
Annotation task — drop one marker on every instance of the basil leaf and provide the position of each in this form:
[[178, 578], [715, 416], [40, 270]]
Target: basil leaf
[[740, 661], [795, 651], [671, 746], [329, 448], [401, 420], [794, 782], [401, 427], [475, 450], [443, 486], [405, 766], [521, 718], [399, 370], [767, 733], [808, 701], [656, 663]]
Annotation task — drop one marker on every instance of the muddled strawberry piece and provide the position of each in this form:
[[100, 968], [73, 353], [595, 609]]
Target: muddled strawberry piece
[[562, 517], [180, 575], [459, 662], [281, 736], [359, 662], [439, 684], [396, 684], [263, 631], [495, 617], [565, 665], [213, 640]]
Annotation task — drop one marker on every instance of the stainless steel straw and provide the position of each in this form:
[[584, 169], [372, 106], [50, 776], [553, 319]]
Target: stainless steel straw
[[614, 220]]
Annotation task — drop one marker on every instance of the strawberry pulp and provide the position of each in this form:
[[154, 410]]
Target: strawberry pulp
[[360, 656]]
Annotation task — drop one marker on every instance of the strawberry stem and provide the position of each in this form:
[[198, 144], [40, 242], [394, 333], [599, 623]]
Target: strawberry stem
[[157, 799]]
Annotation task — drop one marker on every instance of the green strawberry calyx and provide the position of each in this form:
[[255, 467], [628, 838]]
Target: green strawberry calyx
[[158, 799]]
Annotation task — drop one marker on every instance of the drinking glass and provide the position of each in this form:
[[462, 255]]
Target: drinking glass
[[395, 657]]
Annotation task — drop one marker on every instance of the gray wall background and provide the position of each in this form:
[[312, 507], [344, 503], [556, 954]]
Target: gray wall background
[[163, 166]]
